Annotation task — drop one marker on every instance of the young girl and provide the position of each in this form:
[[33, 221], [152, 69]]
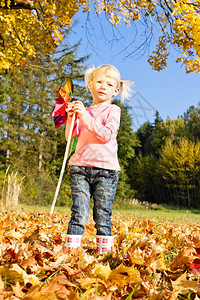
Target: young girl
[[94, 167]]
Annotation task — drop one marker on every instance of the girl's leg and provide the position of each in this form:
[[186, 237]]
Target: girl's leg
[[80, 189], [103, 189]]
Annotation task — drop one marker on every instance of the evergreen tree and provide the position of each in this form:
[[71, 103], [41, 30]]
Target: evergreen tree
[[144, 134], [29, 141], [192, 121], [127, 142]]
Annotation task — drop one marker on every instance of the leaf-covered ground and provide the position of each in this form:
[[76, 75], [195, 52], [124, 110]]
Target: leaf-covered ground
[[151, 260]]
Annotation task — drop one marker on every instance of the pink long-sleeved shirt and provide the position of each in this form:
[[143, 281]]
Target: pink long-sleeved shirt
[[97, 132]]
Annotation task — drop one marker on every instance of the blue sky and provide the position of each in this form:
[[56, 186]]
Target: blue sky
[[171, 91]]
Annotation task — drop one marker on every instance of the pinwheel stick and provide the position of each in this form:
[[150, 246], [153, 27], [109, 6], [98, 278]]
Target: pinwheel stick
[[63, 165]]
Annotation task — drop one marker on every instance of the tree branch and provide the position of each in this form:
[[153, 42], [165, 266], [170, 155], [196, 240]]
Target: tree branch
[[19, 4], [2, 41], [18, 35]]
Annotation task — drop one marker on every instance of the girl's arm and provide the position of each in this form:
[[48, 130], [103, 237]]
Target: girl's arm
[[104, 132]]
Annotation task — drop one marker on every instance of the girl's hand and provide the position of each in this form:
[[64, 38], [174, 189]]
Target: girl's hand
[[76, 107], [69, 109], [79, 108]]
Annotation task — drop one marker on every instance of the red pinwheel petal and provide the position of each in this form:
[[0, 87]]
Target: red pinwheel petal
[[60, 109]]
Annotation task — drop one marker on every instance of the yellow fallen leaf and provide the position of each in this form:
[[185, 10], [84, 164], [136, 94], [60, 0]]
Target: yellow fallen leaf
[[17, 290], [182, 285], [26, 277], [16, 234], [159, 263], [123, 275], [18, 269], [10, 275], [87, 282], [36, 293], [103, 272], [89, 293], [1, 284], [123, 226], [184, 258], [31, 279], [84, 260], [136, 256]]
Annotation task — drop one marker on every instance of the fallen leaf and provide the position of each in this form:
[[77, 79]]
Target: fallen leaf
[[57, 239], [17, 290], [10, 276], [29, 263], [135, 256], [149, 260], [1, 284], [182, 285], [102, 271], [106, 297], [184, 258], [123, 275], [73, 296]]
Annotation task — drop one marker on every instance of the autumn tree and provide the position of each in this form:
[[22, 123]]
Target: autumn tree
[[30, 28], [174, 129], [145, 180], [179, 166], [24, 22], [172, 178], [153, 136]]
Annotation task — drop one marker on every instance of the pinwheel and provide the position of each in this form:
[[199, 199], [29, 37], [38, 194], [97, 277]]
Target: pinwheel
[[60, 117], [64, 97]]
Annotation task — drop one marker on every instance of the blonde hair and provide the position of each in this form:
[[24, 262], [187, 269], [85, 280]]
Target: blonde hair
[[112, 72]]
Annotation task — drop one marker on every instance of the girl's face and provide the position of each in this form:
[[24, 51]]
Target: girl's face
[[103, 88]]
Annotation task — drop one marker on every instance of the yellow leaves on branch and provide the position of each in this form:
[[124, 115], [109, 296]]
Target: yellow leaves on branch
[[124, 10], [178, 23], [26, 33], [40, 26], [186, 33], [158, 60]]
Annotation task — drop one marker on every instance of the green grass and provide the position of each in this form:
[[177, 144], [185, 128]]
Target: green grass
[[159, 212]]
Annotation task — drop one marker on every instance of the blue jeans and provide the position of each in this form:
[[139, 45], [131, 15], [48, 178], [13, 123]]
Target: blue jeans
[[87, 182]]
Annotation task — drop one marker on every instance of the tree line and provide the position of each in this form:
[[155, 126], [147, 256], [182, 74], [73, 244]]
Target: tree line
[[166, 168], [159, 162]]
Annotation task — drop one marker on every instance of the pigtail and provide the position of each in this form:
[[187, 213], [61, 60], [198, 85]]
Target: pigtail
[[125, 89]]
